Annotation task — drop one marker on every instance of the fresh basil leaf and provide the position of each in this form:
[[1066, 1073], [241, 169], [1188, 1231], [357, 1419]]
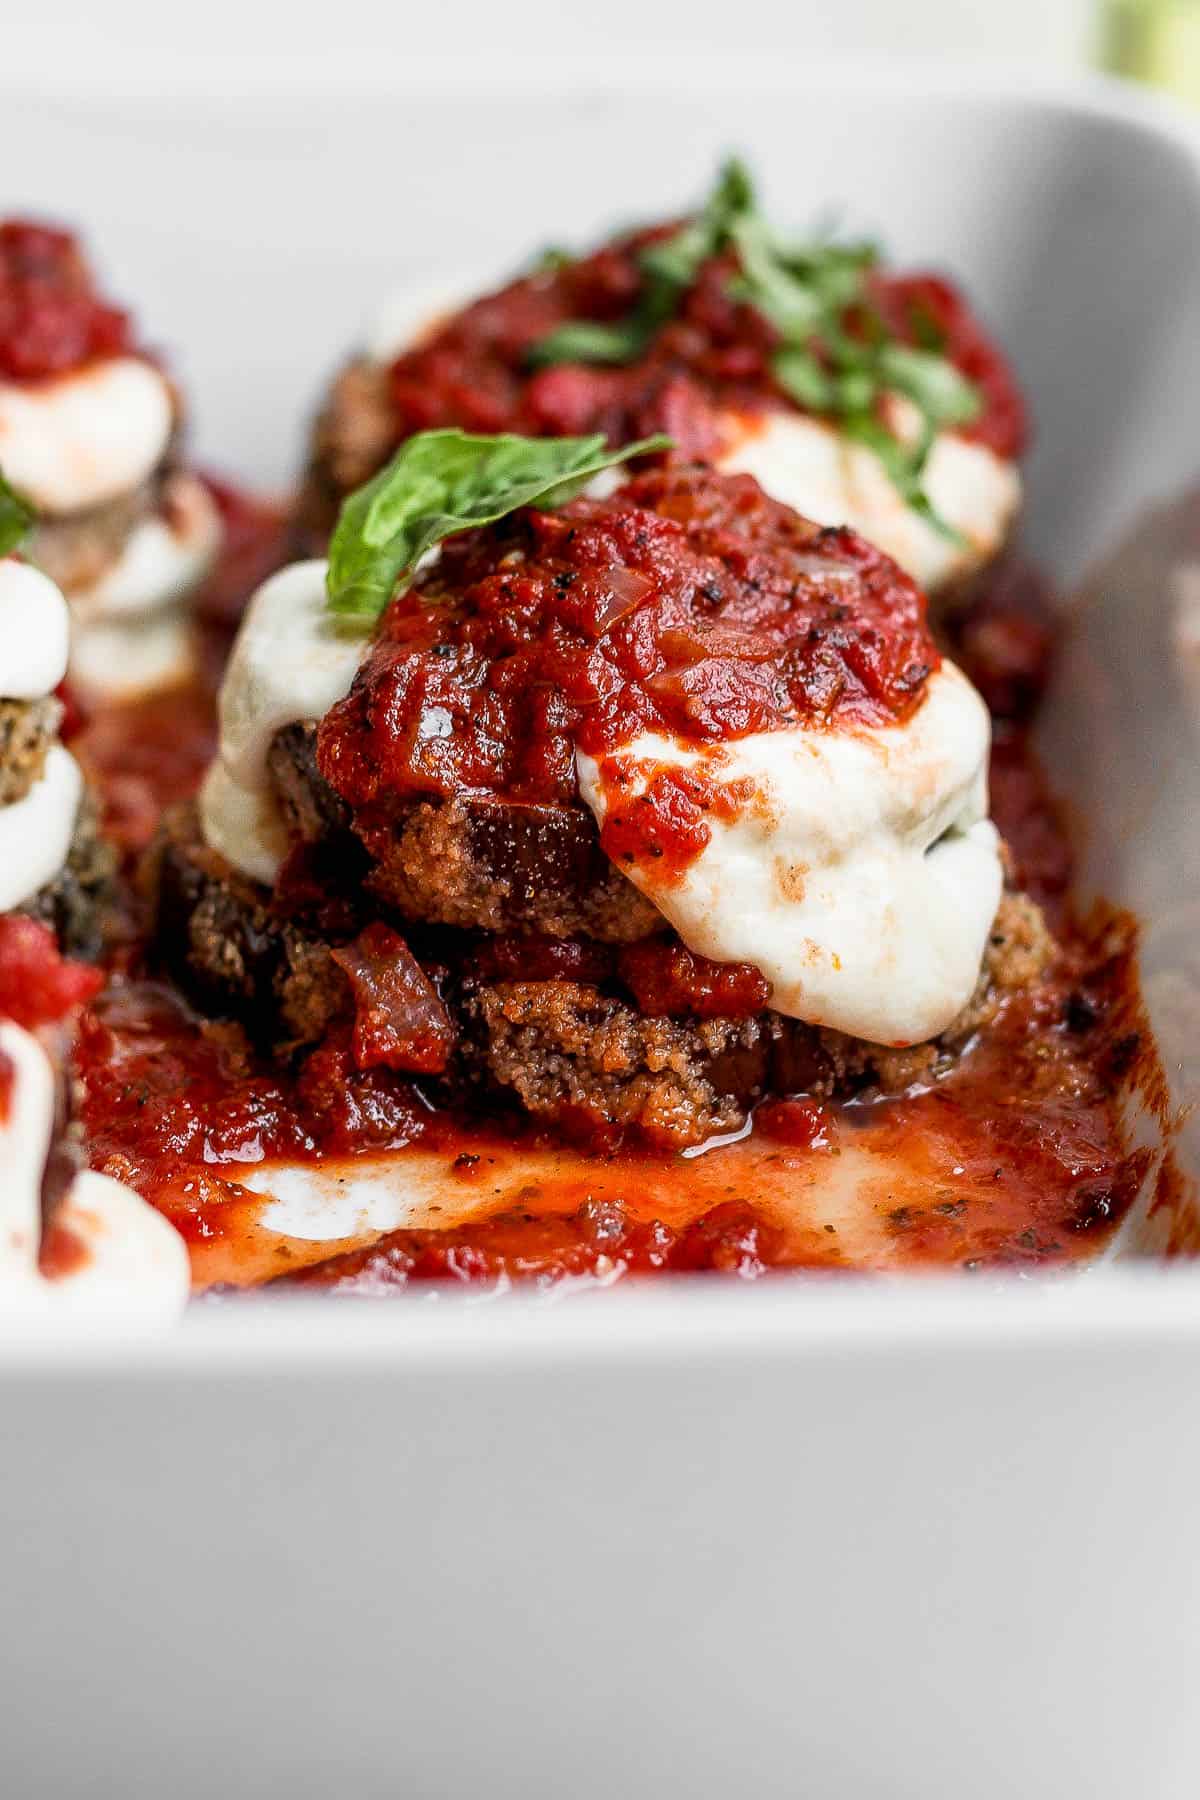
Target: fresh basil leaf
[[792, 307], [443, 482], [669, 267], [734, 192], [803, 379], [588, 341], [905, 466], [855, 391], [550, 260], [677, 259], [927, 331], [16, 518], [942, 392], [673, 263], [834, 272]]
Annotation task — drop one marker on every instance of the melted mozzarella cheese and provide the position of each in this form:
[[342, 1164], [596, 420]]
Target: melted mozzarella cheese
[[292, 661], [807, 464], [36, 832], [24, 1135], [34, 632], [859, 871], [134, 1266], [83, 438], [118, 659], [164, 558], [130, 631]]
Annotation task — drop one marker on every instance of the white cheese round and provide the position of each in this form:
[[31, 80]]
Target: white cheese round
[[134, 1269], [81, 439], [292, 661], [118, 659], [24, 1138], [807, 464], [859, 871], [164, 558], [36, 832], [34, 632]]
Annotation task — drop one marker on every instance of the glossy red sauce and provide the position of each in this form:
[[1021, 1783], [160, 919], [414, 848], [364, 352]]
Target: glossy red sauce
[[38, 986], [689, 604], [1014, 1159], [52, 319], [712, 358]]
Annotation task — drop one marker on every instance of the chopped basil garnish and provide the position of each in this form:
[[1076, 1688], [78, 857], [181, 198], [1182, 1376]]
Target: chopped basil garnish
[[590, 341], [934, 385], [16, 518], [443, 482], [805, 291], [553, 257], [668, 270]]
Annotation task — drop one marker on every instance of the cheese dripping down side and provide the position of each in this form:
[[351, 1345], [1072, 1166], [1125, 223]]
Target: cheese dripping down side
[[855, 867], [292, 661]]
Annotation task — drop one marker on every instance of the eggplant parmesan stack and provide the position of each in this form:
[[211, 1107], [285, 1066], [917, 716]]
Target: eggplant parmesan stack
[[66, 1235], [90, 432], [856, 395], [53, 863], [628, 812]]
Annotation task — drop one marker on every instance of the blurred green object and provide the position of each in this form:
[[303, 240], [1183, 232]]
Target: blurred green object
[[1156, 41]]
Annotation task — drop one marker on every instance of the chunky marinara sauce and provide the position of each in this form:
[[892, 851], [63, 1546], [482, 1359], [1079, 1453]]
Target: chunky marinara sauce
[[696, 607], [712, 359], [52, 319]]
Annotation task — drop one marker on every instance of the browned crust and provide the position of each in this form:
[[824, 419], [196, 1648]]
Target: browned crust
[[77, 904], [28, 728], [77, 549], [353, 435], [472, 862], [569, 1053], [479, 863]]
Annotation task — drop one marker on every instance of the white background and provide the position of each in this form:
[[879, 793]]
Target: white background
[[144, 43]]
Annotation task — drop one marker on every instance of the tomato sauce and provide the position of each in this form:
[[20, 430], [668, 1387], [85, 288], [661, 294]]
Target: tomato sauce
[[38, 986], [52, 319], [1014, 1159], [711, 359], [698, 607]]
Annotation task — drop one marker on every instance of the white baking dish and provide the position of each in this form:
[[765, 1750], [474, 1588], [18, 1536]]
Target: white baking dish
[[839, 1540]]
